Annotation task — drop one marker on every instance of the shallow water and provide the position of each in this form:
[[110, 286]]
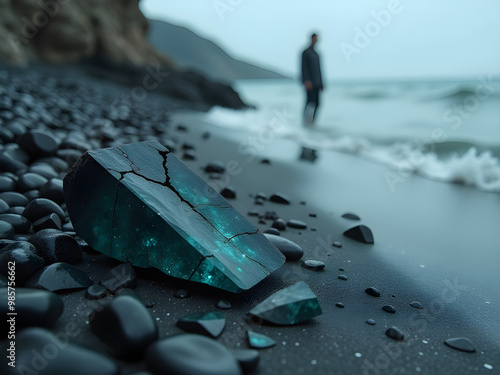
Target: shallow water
[[445, 131]]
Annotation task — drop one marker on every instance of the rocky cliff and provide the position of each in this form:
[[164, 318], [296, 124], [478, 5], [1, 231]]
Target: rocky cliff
[[72, 30]]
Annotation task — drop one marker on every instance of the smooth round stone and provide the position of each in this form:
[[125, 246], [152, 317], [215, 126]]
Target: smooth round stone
[[16, 210], [181, 293], [6, 136], [314, 265], [297, 224], [253, 213], [215, 167], [4, 207], [58, 164], [7, 231], [125, 326], [337, 244], [371, 291], [19, 222], [370, 322], [343, 277], [38, 143], [224, 305], [34, 346], [191, 354], [279, 224], [41, 207], [279, 198], [51, 221], [30, 181], [259, 201], [288, 248], [395, 334], [59, 277], [340, 305], [390, 309], [53, 190], [416, 305], [274, 231], [189, 155], [13, 198], [96, 291], [10, 163], [248, 359], [461, 343], [7, 184], [34, 308], [351, 216], [27, 261], [56, 246], [32, 194], [43, 169], [228, 192]]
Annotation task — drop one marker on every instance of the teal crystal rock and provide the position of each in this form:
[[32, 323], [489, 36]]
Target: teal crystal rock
[[140, 204], [259, 341], [291, 305], [210, 324]]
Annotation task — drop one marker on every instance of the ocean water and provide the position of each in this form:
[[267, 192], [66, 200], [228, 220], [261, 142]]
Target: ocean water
[[445, 131]]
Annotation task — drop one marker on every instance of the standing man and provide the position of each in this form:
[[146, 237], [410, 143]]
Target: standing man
[[311, 77]]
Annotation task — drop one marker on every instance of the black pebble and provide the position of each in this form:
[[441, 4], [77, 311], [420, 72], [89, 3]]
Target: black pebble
[[6, 184], [274, 231], [253, 213], [416, 305], [279, 224], [370, 322], [34, 308], [26, 259], [51, 221], [461, 343], [340, 305], [389, 309], [16, 210], [215, 166], [314, 265], [395, 334], [224, 305], [279, 198], [351, 216], [53, 190], [4, 207], [38, 143], [372, 292], [296, 224], [122, 276], [343, 277], [66, 358], [360, 233], [96, 291], [30, 181], [289, 249], [13, 198], [337, 244], [228, 192], [189, 155], [41, 207], [20, 223], [125, 326], [56, 246], [7, 231], [190, 354], [59, 277]]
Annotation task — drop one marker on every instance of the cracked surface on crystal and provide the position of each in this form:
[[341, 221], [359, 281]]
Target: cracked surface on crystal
[[156, 212]]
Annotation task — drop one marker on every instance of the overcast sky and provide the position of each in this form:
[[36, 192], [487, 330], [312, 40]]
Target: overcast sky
[[357, 38]]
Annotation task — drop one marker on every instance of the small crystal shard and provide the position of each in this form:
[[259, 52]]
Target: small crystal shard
[[360, 233], [259, 341], [140, 204], [210, 324], [288, 306]]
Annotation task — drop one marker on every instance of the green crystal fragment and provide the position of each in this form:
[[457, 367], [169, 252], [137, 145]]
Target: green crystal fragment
[[259, 341], [209, 324], [140, 204], [288, 306]]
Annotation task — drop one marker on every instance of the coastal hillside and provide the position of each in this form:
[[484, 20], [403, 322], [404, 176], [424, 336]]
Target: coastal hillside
[[193, 52]]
